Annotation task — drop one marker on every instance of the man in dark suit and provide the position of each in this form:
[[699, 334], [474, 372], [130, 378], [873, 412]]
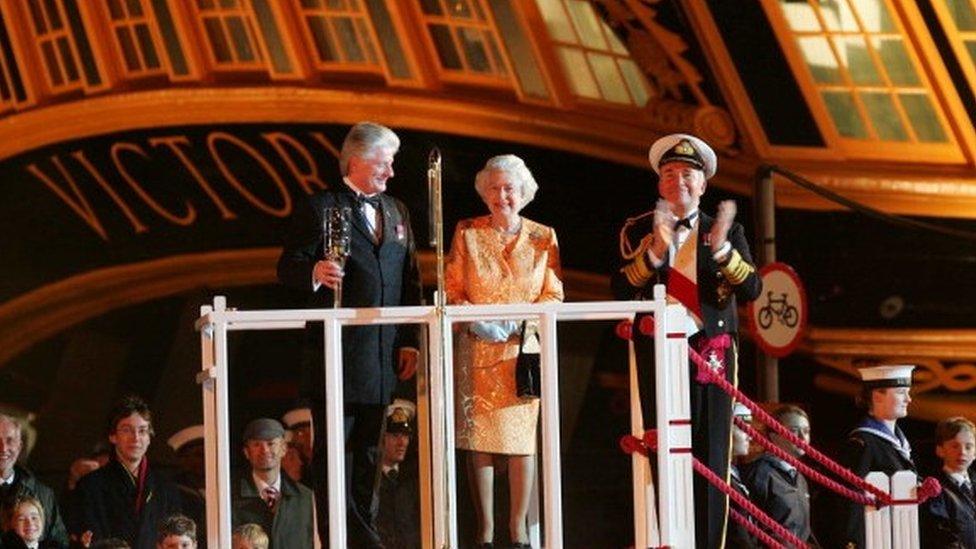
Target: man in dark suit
[[875, 444], [397, 490], [381, 271], [706, 265], [949, 519]]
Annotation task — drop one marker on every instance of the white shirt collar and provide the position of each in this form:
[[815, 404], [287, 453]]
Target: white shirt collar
[[260, 484], [959, 478], [388, 468], [10, 480]]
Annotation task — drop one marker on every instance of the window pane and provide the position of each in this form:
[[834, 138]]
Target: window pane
[[923, 117], [523, 59], [205, 4], [54, 16], [135, 8], [431, 7], [38, 16], [874, 15], [557, 21], [128, 48], [845, 115], [474, 49], [963, 13], [496, 55], [445, 47], [611, 84], [322, 38], [575, 66], [884, 117], [616, 46], [68, 59], [311, 3], [896, 62], [819, 57], [115, 9], [586, 23], [242, 42], [635, 81], [800, 15], [346, 35], [971, 47], [389, 40], [219, 44], [854, 55], [51, 61], [460, 9], [363, 33], [838, 16], [147, 46]]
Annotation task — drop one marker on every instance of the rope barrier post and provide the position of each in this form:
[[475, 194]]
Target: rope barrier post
[[904, 512], [767, 367], [673, 401], [877, 521]]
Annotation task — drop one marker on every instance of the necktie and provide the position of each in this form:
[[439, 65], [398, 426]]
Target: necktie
[[373, 201], [686, 222], [393, 474], [270, 496], [967, 490]]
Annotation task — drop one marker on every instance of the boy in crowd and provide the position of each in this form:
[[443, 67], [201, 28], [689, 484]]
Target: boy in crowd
[[949, 520], [176, 532]]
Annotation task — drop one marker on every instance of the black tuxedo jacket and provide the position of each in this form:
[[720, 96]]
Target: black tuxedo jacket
[[377, 274], [949, 519]]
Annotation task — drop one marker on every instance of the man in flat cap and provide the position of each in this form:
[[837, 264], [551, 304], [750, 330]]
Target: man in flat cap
[[706, 265], [397, 517], [875, 444], [262, 495]]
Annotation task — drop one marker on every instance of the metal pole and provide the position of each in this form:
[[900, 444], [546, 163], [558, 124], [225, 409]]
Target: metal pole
[[767, 367]]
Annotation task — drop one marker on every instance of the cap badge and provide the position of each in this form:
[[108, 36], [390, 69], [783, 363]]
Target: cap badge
[[684, 148]]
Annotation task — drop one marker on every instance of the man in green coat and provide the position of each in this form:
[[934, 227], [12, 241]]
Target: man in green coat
[[262, 495]]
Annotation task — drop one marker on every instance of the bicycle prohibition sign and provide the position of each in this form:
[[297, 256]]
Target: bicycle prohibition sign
[[780, 315]]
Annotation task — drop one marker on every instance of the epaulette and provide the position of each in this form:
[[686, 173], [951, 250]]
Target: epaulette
[[636, 235]]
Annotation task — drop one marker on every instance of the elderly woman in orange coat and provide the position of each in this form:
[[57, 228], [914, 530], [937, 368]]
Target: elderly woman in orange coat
[[499, 258]]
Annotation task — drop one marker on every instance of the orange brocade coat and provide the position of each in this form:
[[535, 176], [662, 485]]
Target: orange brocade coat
[[486, 266]]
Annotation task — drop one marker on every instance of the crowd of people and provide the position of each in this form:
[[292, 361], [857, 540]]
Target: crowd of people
[[116, 498]]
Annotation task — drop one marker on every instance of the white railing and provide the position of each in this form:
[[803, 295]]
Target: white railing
[[894, 526], [436, 410]]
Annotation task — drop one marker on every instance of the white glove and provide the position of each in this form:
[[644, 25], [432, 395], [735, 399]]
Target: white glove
[[494, 331]]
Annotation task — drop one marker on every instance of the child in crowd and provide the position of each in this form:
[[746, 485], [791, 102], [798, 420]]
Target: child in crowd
[[949, 520], [24, 526], [250, 536]]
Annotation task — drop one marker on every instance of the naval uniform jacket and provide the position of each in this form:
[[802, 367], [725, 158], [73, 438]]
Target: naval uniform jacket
[[783, 495], [377, 274], [949, 519], [863, 452], [720, 289]]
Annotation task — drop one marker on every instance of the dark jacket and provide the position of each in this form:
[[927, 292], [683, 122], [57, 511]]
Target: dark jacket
[[739, 536], [10, 540], [377, 274], [106, 500], [783, 495], [26, 484], [862, 453], [948, 520], [289, 526]]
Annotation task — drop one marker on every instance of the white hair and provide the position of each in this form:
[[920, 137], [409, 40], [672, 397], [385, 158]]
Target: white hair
[[515, 168], [365, 138]]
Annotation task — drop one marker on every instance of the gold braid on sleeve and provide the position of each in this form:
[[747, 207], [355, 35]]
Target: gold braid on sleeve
[[737, 269]]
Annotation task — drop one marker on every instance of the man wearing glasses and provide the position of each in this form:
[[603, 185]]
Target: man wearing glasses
[[126, 498]]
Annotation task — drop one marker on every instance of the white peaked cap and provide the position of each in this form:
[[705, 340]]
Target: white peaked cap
[[897, 375], [297, 416], [185, 436], [685, 148]]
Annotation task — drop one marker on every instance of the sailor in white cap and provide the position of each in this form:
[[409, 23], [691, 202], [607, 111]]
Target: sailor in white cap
[[706, 265], [738, 536], [397, 488], [190, 479], [875, 444]]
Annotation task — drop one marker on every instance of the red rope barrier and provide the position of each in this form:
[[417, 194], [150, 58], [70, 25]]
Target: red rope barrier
[[807, 471], [705, 371], [756, 531], [630, 444]]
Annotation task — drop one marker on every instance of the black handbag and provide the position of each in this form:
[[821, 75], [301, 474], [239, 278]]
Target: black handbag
[[526, 370]]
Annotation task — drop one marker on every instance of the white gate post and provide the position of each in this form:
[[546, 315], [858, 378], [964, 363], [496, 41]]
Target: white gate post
[[673, 401], [877, 522], [552, 468], [904, 516], [335, 432]]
